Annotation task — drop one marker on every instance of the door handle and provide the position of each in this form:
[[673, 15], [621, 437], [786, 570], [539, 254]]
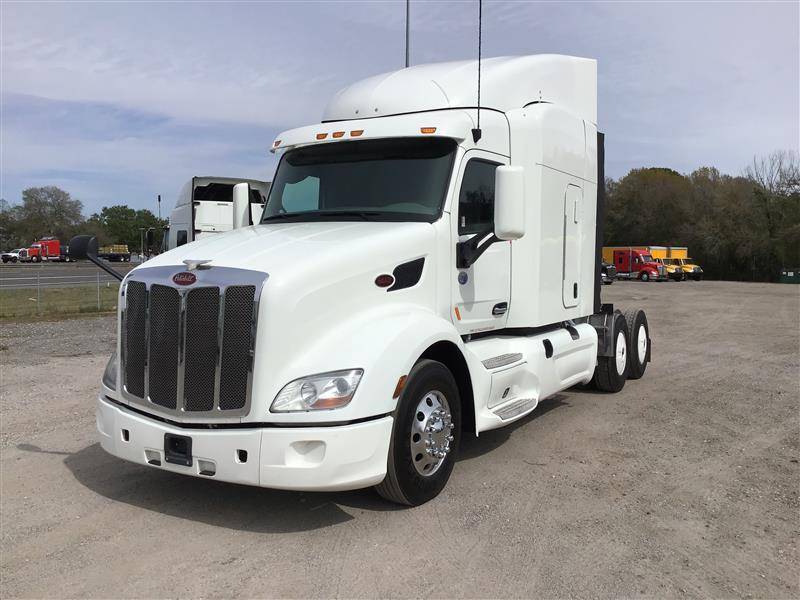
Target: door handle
[[500, 309]]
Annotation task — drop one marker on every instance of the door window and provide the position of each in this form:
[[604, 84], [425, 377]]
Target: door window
[[182, 237], [476, 198]]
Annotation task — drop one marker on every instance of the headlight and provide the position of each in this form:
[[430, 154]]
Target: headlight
[[110, 374], [318, 392]]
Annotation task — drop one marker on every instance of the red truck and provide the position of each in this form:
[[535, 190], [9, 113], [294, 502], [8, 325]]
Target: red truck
[[634, 263], [47, 248]]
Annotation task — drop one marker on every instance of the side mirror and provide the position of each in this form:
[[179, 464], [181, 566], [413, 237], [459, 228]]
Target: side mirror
[[509, 202], [82, 247], [241, 205], [85, 247]]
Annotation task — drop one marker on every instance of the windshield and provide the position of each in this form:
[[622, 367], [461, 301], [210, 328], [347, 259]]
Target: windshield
[[647, 258], [400, 179]]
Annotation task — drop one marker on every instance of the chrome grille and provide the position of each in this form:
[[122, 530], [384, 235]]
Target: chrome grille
[[202, 316], [163, 346], [188, 353], [235, 346], [135, 349]]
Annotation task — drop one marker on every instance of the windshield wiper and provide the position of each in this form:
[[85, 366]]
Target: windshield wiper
[[362, 214]]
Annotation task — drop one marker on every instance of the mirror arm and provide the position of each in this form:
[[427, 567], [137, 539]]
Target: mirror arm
[[469, 251], [100, 264]]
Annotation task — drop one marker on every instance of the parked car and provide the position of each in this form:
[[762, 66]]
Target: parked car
[[608, 273], [11, 256]]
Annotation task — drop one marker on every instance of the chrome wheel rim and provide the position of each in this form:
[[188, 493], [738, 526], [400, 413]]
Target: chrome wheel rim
[[431, 433], [621, 353], [641, 343]]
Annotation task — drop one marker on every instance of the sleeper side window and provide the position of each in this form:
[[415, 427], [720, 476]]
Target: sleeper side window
[[182, 237], [476, 198]]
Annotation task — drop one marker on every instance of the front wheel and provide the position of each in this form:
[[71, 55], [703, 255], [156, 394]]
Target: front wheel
[[644, 276], [425, 436]]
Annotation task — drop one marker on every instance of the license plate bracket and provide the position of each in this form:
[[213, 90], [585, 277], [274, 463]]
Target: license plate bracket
[[178, 449]]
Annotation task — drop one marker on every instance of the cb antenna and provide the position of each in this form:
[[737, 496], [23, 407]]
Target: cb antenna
[[408, 31], [476, 133]]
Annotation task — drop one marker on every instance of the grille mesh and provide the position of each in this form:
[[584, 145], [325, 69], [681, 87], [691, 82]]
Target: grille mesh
[[202, 315], [236, 346], [135, 348], [165, 305]]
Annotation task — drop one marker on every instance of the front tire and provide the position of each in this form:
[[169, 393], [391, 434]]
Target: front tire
[[638, 342], [612, 371], [644, 276], [425, 436]]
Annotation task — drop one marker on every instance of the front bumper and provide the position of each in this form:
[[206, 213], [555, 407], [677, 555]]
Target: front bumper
[[342, 457]]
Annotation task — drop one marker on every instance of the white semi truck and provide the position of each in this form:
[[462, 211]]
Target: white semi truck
[[205, 206], [419, 274]]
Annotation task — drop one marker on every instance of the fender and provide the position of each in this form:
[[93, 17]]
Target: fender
[[385, 342]]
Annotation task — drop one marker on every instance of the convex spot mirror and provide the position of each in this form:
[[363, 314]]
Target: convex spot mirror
[[509, 202]]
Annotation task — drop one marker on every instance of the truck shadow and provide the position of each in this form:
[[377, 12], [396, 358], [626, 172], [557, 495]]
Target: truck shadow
[[239, 507], [473, 447]]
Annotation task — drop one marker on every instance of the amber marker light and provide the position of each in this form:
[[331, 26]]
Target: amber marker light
[[458, 313], [276, 143], [427, 129], [322, 136], [338, 134], [356, 132], [401, 383]]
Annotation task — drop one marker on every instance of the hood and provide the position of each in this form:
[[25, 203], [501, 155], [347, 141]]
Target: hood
[[288, 251]]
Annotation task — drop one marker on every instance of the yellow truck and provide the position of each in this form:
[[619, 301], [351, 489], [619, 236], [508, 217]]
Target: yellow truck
[[661, 254], [679, 255]]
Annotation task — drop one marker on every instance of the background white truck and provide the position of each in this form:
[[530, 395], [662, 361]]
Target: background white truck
[[423, 270], [205, 206]]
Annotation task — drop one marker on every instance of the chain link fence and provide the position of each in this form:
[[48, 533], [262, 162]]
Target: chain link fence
[[30, 292]]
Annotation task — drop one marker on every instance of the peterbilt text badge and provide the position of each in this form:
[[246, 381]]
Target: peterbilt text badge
[[184, 278]]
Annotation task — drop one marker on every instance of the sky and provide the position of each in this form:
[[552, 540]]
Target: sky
[[118, 102]]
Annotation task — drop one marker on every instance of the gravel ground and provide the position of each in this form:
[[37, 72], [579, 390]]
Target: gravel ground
[[685, 484]]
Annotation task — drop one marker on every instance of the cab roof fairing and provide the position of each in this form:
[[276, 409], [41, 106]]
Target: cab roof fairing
[[507, 83]]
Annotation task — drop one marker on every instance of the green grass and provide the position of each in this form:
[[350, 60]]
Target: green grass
[[56, 301]]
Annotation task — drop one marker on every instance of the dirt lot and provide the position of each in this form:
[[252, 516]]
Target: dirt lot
[[685, 484]]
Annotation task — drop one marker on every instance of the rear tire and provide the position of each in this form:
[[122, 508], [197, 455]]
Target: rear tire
[[612, 371], [638, 342], [414, 475]]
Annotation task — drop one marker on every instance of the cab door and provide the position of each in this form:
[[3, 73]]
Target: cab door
[[481, 292]]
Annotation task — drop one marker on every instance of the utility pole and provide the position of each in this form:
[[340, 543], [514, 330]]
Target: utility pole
[[159, 207], [408, 27]]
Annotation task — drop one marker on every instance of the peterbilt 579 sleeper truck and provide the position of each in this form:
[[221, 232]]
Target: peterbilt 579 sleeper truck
[[417, 276]]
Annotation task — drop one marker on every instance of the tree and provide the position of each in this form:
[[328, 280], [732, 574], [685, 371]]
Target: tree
[[47, 211], [123, 225]]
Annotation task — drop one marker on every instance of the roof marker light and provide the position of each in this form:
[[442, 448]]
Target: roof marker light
[[338, 134], [356, 132], [322, 136], [427, 129]]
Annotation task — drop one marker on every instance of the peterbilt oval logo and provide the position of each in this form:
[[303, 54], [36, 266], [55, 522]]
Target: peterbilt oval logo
[[184, 278]]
